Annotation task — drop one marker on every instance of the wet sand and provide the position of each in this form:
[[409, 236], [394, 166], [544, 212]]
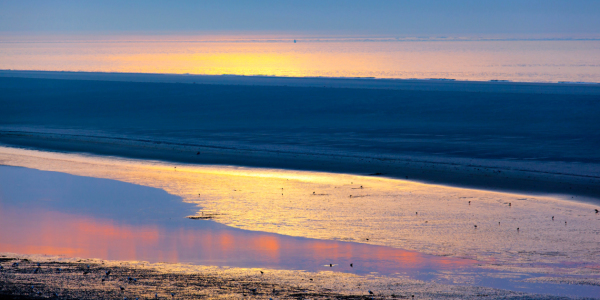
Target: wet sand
[[504, 176], [431, 219], [57, 213], [60, 278]]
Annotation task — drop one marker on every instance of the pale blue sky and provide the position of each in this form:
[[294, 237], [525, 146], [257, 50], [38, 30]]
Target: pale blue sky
[[347, 17]]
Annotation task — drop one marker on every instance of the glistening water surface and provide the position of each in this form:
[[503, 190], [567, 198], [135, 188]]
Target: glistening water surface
[[61, 214], [317, 205]]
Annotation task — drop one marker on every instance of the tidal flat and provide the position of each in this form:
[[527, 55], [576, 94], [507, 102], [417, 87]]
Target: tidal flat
[[299, 221]]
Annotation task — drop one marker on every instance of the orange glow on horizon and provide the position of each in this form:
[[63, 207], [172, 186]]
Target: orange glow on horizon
[[312, 57]]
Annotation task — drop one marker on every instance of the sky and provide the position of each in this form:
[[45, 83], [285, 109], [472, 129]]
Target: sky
[[573, 18]]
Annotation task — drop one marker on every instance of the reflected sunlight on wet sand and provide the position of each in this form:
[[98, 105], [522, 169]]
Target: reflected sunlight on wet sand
[[513, 231]]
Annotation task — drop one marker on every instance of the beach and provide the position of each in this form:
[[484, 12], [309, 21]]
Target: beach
[[503, 177], [60, 278], [336, 149]]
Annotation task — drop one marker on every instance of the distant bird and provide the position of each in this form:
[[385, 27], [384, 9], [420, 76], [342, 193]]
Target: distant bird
[[565, 223], [107, 273], [172, 295], [552, 218], [36, 270], [469, 202], [122, 288], [261, 272], [475, 226], [370, 293], [351, 266], [517, 228], [509, 204], [330, 265], [15, 264], [498, 223], [313, 193], [596, 210], [198, 153], [156, 295], [416, 213], [361, 187]]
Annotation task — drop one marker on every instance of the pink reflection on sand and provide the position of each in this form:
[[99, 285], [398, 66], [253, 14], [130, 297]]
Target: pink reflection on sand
[[56, 233], [34, 231]]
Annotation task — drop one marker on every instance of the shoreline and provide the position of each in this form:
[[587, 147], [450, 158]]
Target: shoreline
[[487, 175], [430, 84], [42, 277]]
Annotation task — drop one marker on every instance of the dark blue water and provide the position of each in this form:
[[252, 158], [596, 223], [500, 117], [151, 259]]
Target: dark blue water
[[524, 126]]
